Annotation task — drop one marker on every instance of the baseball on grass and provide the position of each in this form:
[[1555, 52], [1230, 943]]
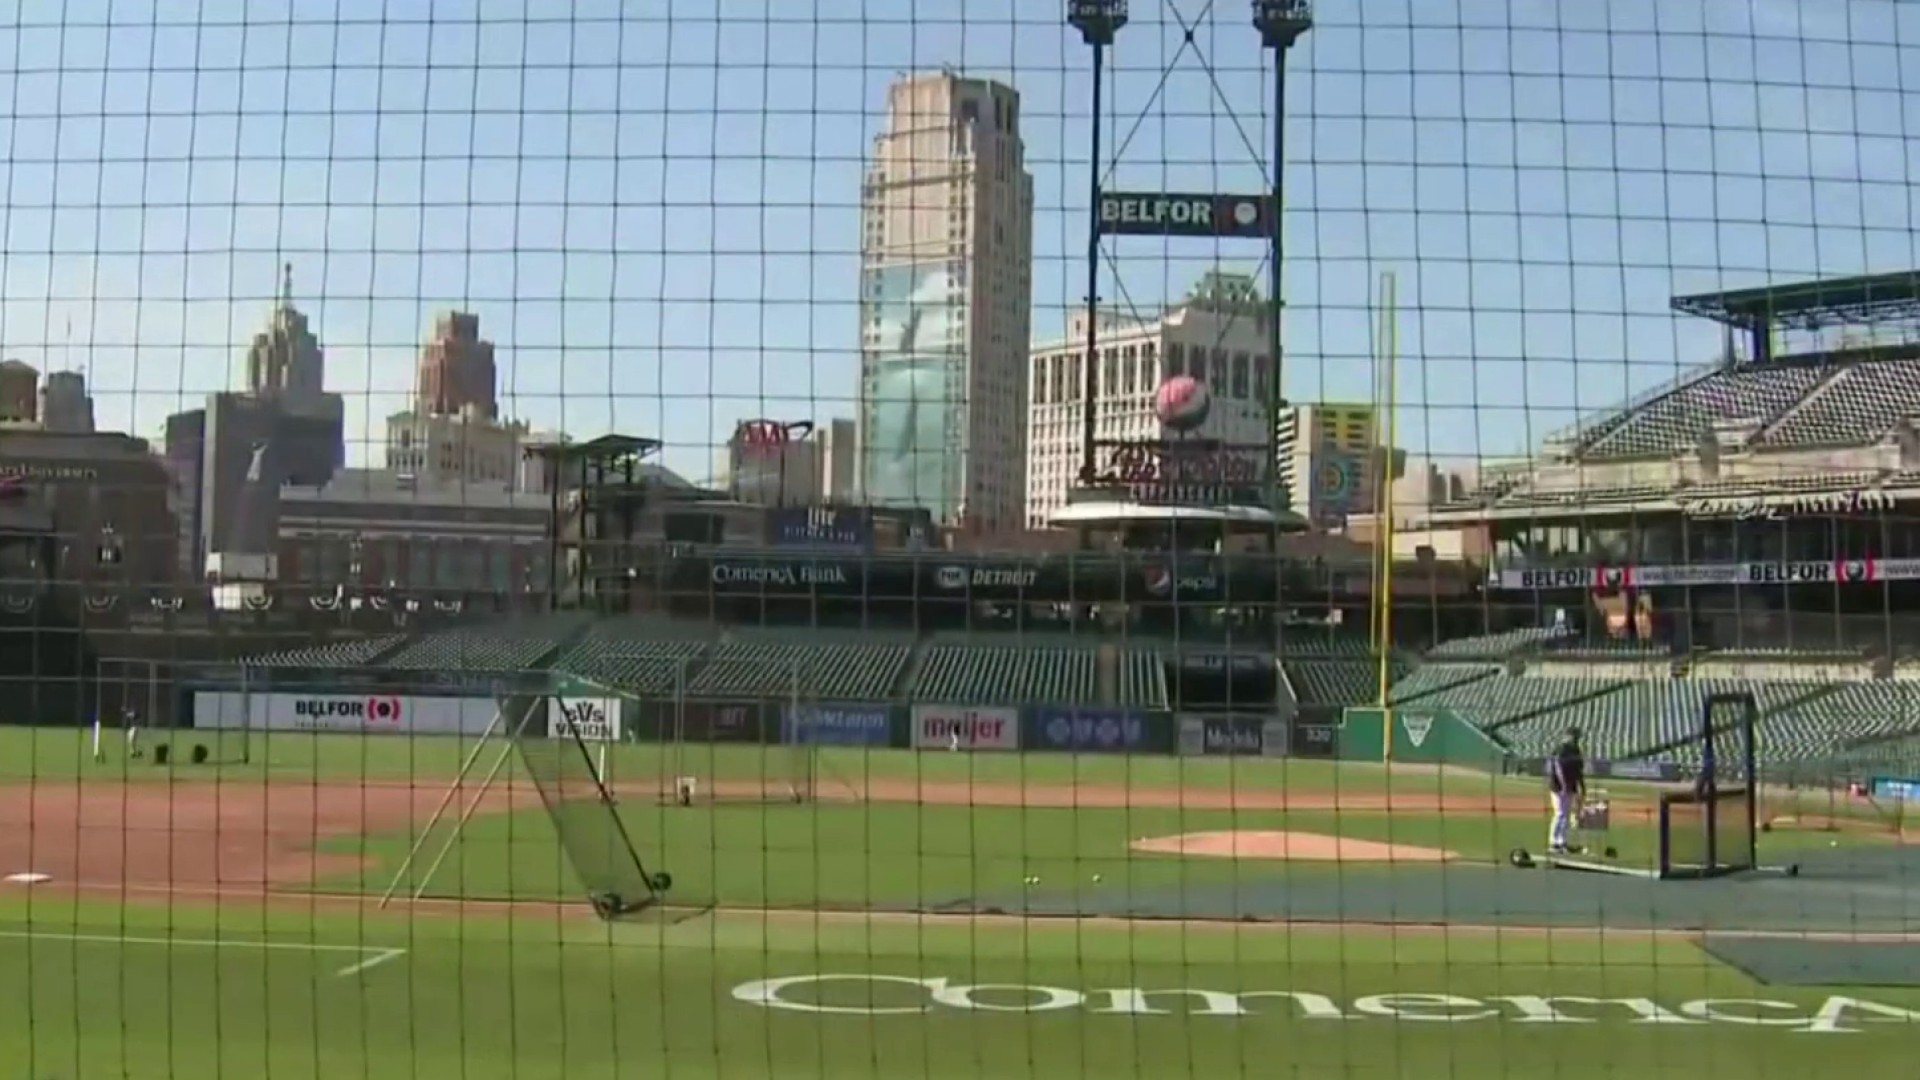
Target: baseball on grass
[[1096, 879]]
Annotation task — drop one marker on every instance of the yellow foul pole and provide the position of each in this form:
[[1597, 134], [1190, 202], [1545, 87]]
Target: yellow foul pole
[[1386, 398]]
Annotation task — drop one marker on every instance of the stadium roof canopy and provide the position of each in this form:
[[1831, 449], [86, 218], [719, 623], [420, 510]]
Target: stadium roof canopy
[[1811, 305], [601, 448]]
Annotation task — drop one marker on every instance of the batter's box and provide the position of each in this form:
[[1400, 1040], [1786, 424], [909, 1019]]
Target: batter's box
[[1785, 960]]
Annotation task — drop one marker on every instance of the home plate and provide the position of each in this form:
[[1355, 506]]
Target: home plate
[[26, 878]]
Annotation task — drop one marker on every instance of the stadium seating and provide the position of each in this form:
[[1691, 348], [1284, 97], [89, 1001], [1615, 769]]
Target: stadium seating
[[1322, 644], [1782, 483], [1643, 716], [507, 647], [1502, 699], [1676, 420], [1034, 672], [331, 654], [1337, 682], [807, 669], [1496, 646], [1857, 406], [1432, 679], [641, 656]]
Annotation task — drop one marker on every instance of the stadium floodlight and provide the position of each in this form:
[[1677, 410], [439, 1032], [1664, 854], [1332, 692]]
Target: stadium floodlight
[[1281, 23], [1098, 21]]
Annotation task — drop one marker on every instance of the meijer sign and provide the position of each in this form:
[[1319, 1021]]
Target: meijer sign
[[938, 727], [897, 995], [364, 713]]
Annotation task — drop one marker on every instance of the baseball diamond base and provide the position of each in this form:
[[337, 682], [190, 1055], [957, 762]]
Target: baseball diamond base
[[1797, 961]]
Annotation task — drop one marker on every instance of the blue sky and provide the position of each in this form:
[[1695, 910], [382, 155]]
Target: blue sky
[[654, 209]]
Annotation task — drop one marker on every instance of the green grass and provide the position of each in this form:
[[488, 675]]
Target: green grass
[[55, 753], [98, 990], [180, 988]]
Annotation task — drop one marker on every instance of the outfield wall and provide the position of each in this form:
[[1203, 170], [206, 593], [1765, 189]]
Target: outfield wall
[[603, 715]]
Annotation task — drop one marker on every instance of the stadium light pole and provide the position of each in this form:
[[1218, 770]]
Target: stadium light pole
[[1098, 21], [1281, 23]]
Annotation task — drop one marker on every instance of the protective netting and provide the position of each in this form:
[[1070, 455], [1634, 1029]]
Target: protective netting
[[939, 499], [552, 734]]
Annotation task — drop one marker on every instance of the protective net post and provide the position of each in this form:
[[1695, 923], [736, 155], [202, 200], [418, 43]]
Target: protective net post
[[555, 735], [799, 757]]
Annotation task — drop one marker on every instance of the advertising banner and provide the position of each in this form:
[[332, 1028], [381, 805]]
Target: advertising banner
[[1276, 737], [1894, 788], [823, 528], [1602, 769], [377, 714], [1166, 213], [1314, 739], [1222, 735], [1611, 578], [595, 719], [835, 725], [723, 722], [1095, 730], [959, 727]]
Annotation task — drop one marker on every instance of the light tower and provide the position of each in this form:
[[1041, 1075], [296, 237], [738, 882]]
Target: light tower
[[1281, 23], [1098, 21]]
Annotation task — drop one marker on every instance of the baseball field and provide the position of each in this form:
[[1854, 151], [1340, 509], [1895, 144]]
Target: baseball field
[[934, 914]]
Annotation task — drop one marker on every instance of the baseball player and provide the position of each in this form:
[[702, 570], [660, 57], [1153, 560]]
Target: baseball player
[[131, 720], [1566, 789]]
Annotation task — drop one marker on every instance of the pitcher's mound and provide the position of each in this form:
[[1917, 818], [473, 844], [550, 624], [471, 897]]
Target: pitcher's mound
[[1268, 844]]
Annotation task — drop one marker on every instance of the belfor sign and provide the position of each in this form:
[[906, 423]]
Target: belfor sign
[[1162, 213]]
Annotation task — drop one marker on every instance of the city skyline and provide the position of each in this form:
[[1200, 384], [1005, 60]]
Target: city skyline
[[1514, 233]]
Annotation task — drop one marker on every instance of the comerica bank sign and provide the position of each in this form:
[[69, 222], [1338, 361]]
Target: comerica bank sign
[[871, 995]]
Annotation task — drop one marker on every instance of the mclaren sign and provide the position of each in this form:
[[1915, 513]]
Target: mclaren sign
[[1139, 213]]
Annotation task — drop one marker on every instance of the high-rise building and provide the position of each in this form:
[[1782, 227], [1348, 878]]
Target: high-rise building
[[457, 374], [19, 393], [285, 359], [286, 370], [946, 250], [818, 470], [836, 445], [465, 449], [65, 405], [1331, 456], [1223, 346]]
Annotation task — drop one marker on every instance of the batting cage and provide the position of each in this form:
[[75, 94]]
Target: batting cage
[[1706, 827], [1713, 828]]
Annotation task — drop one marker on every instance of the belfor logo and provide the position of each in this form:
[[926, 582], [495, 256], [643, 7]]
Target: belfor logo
[[1416, 725]]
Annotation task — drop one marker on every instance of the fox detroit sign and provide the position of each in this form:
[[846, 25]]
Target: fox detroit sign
[[1160, 213]]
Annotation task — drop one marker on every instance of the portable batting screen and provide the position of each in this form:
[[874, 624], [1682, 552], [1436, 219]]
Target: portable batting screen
[[548, 732], [1712, 829]]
